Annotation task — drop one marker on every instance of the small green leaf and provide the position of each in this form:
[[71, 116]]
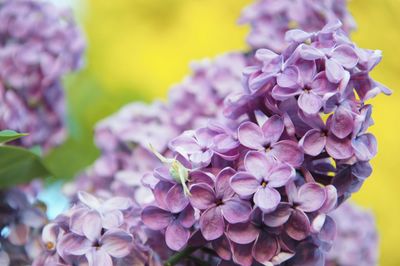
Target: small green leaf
[[18, 166], [9, 135]]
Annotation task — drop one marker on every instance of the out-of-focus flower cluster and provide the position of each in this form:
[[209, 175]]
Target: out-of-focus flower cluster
[[270, 19], [357, 239], [241, 166], [21, 221], [39, 44]]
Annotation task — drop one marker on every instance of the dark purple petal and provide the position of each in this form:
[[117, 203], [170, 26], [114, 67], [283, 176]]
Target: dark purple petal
[[176, 199], [278, 217], [265, 248], [313, 142], [156, 218], [298, 226], [186, 217], [160, 193], [242, 233], [223, 247], [241, 254], [176, 236], [222, 183], [212, 223], [236, 210], [202, 196], [311, 197], [244, 184], [116, 242], [251, 136], [267, 199], [289, 152]]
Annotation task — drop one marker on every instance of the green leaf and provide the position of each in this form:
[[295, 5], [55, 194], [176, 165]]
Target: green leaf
[[9, 135], [18, 166]]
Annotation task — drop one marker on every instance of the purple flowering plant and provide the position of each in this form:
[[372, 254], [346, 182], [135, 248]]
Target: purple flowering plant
[[244, 164]]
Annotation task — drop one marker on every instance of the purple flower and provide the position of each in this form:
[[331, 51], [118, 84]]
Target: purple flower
[[266, 139], [269, 19], [218, 204], [263, 175], [357, 238], [176, 224]]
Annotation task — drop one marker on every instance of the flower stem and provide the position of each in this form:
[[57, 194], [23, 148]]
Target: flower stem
[[179, 256]]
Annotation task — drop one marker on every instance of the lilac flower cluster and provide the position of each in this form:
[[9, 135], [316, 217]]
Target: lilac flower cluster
[[258, 185], [125, 137], [270, 19], [96, 232], [21, 221], [357, 240], [39, 44]]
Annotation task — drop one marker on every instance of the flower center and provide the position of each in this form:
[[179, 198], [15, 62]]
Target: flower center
[[219, 202], [307, 89], [49, 245], [264, 183]]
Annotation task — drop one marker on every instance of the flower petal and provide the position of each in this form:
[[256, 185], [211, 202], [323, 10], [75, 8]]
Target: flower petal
[[212, 223], [116, 242], [176, 199], [116, 203], [310, 102], [289, 152], [280, 175], [289, 78], [202, 196], [313, 142], [241, 254], [298, 226], [176, 236], [334, 72], [339, 148], [257, 164], [265, 248], [273, 129], [222, 183], [89, 200], [112, 219], [278, 217], [92, 225], [98, 258], [242, 233], [236, 210], [73, 244], [342, 122], [244, 184], [267, 199], [311, 197], [365, 147], [156, 218], [251, 136], [223, 247], [345, 55]]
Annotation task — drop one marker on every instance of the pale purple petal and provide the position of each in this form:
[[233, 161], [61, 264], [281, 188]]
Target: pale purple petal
[[92, 225], [289, 152], [273, 129], [339, 148], [98, 257], [116, 203], [331, 199], [267, 199], [311, 197], [160, 193], [365, 147], [342, 122], [289, 78], [242, 233], [265, 248], [156, 218], [116, 242], [185, 142], [112, 219], [89, 200], [222, 183], [236, 210], [251, 136], [313, 142], [186, 218], [202, 196], [73, 244], [244, 184], [280, 175], [212, 223], [308, 52], [310, 102], [334, 72], [297, 35], [345, 55], [257, 164]]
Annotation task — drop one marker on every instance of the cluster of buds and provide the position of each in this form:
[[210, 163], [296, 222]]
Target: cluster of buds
[[39, 44]]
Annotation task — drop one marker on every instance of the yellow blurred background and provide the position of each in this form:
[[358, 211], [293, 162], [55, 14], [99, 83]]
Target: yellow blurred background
[[138, 48]]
